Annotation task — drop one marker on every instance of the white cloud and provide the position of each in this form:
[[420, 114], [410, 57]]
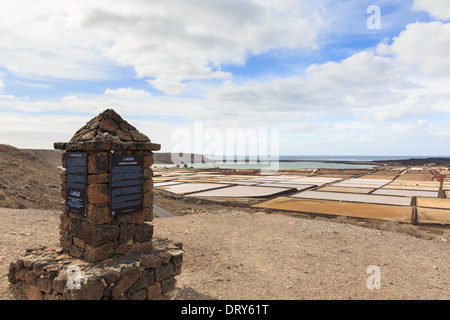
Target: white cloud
[[418, 137], [356, 84], [311, 130], [168, 86], [439, 9], [387, 94], [167, 41], [34, 131], [425, 45], [129, 102], [37, 42], [127, 93]]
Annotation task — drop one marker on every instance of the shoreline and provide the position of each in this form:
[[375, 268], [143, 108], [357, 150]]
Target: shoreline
[[432, 161]]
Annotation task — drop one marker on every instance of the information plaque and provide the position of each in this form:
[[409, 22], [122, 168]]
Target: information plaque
[[76, 176], [126, 184]]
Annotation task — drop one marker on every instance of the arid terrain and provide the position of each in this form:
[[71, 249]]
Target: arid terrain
[[247, 253], [237, 253], [27, 181]]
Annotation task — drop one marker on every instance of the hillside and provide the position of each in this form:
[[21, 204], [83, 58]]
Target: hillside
[[26, 181], [51, 156], [166, 158]]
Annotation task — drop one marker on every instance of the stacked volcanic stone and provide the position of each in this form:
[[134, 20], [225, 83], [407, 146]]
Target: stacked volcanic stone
[[49, 274], [98, 236], [108, 127]]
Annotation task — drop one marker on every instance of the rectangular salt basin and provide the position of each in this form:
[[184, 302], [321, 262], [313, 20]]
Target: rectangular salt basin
[[287, 185], [354, 185], [414, 185], [359, 180], [318, 179], [364, 198], [193, 187], [349, 209], [311, 180], [257, 180], [235, 177], [412, 188], [243, 183], [209, 175], [433, 216], [371, 182], [241, 191], [378, 177], [271, 178], [362, 183], [406, 193], [168, 183], [172, 174], [438, 203], [417, 183], [346, 189]]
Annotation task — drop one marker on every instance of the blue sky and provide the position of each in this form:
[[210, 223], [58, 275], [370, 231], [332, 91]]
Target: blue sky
[[312, 70]]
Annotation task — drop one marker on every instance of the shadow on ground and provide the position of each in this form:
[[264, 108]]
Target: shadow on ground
[[188, 293]]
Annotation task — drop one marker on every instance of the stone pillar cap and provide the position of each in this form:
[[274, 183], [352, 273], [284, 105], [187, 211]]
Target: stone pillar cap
[[108, 131]]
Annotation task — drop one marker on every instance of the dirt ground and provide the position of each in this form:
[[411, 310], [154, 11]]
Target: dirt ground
[[240, 253]]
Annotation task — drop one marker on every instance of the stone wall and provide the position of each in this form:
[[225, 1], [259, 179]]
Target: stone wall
[[49, 274], [98, 235]]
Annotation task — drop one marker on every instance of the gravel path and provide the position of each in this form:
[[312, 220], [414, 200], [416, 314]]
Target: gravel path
[[161, 212]]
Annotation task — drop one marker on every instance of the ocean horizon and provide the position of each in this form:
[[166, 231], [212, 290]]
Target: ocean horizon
[[288, 162], [324, 158]]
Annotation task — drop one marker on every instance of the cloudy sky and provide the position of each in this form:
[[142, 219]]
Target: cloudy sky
[[323, 73]]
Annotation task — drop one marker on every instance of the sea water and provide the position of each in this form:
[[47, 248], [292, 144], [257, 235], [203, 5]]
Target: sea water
[[295, 162]]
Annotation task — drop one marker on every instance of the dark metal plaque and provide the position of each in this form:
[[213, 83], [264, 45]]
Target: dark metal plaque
[[76, 178], [126, 184]]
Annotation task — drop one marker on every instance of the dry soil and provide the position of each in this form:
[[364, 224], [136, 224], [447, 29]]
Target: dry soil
[[27, 181], [238, 253]]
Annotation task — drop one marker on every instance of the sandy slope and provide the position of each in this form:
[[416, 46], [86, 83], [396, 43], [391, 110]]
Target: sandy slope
[[27, 181]]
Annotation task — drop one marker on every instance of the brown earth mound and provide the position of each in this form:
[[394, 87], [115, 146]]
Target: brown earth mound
[[27, 181], [51, 156]]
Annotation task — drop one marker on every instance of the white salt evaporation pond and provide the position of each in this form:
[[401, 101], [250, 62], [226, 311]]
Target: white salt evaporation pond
[[291, 180], [348, 197], [346, 189], [406, 193], [414, 185], [362, 183], [168, 183], [319, 181], [241, 191], [186, 188], [243, 183], [288, 185]]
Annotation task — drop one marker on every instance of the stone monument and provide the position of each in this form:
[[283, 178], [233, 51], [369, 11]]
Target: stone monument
[[107, 246]]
